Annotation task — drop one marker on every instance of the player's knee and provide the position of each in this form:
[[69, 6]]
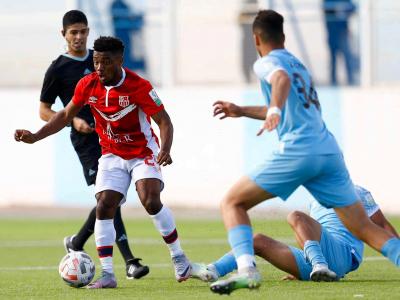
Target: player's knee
[[105, 209], [230, 201], [295, 217], [151, 202], [361, 228], [224, 204], [257, 242]]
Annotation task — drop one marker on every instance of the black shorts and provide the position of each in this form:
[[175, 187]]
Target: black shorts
[[89, 151]]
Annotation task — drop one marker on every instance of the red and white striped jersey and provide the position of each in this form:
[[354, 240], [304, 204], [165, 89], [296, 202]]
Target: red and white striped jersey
[[122, 113]]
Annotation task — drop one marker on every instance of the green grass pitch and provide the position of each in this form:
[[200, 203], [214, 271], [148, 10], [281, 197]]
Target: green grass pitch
[[30, 251]]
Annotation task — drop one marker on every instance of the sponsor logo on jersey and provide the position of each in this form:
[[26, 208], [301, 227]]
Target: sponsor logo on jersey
[[123, 101], [116, 137], [91, 172], [155, 97], [92, 99], [86, 72]]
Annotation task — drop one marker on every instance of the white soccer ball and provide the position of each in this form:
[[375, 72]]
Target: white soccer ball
[[77, 269]]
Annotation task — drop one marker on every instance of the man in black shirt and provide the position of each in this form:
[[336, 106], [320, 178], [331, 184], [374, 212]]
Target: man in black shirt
[[60, 81]]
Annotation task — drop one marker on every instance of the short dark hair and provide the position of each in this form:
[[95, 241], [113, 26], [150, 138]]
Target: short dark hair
[[73, 17], [109, 44], [268, 24]]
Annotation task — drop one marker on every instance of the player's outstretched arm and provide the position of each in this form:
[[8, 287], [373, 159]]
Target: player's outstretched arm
[[56, 123], [80, 125], [280, 88], [379, 219], [166, 134], [45, 111], [224, 109]]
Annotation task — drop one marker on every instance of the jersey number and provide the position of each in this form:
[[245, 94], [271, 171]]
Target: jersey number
[[309, 97], [149, 161]]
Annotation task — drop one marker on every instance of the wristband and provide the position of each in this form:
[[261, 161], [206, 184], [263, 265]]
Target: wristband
[[274, 110]]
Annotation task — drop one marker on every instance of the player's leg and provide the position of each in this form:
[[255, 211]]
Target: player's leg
[[77, 241], [333, 49], [283, 257], [112, 183], [357, 221], [347, 54], [308, 235], [88, 150], [134, 269], [243, 195], [219, 268], [149, 194], [278, 176], [148, 179], [273, 251], [339, 253], [278, 254], [334, 188], [104, 232]]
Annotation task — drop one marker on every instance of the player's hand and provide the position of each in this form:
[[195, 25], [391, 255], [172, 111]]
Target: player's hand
[[164, 158], [270, 123], [22, 135], [81, 126], [289, 277], [224, 109]]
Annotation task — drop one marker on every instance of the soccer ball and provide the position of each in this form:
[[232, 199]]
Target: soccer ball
[[77, 269]]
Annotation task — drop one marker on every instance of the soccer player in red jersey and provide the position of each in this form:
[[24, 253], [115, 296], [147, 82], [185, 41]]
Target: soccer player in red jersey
[[122, 104], [60, 81]]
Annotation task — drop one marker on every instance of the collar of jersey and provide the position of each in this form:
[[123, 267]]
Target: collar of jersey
[[277, 50], [119, 83], [77, 57]]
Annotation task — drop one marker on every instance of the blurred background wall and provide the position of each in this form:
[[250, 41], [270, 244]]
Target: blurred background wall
[[196, 52]]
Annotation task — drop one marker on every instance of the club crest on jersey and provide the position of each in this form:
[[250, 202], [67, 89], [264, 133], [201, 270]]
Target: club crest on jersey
[[92, 99], [155, 97], [123, 101]]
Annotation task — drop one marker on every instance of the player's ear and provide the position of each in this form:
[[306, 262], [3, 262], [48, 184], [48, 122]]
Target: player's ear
[[63, 32], [256, 39]]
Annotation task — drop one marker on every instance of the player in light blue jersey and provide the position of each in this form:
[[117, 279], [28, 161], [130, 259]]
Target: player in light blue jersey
[[308, 155], [341, 250]]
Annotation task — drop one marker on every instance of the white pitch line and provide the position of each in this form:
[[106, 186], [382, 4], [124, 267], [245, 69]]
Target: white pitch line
[[374, 258], [156, 265], [46, 268], [140, 241]]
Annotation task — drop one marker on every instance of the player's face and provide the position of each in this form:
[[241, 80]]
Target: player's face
[[76, 37], [108, 67]]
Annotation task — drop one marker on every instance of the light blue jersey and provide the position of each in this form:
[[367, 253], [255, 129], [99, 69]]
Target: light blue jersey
[[309, 154], [301, 130], [331, 223]]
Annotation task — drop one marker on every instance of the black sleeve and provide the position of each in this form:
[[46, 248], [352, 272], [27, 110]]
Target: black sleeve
[[50, 88]]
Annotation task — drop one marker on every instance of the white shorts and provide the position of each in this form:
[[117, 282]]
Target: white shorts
[[116, 173]]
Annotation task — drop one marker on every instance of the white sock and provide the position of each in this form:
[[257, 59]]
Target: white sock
[[245, 262], [164, 222], [104, 233]]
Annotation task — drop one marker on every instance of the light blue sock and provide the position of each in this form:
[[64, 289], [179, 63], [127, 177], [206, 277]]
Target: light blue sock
[[241, 241], [226, 264], [313, 252], [391, 249]]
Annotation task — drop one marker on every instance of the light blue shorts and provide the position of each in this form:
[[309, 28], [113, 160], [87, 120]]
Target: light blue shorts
[[324, 176], [338, 255]]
